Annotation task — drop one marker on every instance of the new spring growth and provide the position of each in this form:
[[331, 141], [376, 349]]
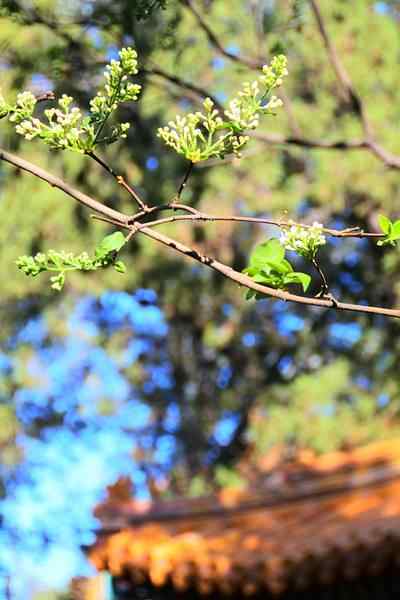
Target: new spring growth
[[303, 240], [196, 135], [117, 88], [202, 135], [67, 127], [61, 262], [22, 109]]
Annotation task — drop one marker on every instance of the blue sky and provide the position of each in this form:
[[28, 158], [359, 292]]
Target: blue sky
[[51, 495]]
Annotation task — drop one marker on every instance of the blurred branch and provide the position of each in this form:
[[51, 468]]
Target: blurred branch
[[347, 89], [199, 92], [350, 94], [125, 222], [214, 41], [276, 138]]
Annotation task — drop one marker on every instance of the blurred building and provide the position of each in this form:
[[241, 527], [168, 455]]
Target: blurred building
[[89, 588], [303, 527]]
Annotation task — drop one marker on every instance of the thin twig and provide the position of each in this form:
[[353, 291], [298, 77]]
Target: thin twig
[[302, 142], [185, 180], [214, 41], [171, 206], [105, 219], [196, 90], [120, 179], [201, 216], [324, 282], [350, 93]]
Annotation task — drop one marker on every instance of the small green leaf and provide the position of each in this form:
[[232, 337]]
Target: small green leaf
[[386, 242], [250, 294], [385, 224], [283, 266], [395, 231], [111, 243], [274, 280], [303, 278], [57, 281], [262, 277], [270, 250], [120, 266], [250, 271]]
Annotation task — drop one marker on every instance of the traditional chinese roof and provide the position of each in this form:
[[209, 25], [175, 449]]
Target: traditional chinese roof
[[300, 522]]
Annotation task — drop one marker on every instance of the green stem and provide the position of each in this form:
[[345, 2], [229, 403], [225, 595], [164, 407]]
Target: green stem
[[113, 99]]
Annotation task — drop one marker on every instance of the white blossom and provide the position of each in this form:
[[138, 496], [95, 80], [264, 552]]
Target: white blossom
[[305, 240]]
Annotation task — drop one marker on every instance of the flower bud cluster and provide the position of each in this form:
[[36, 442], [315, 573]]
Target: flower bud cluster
[[117, 88], [201, 136], [22, 109], [303, 240], [274, 73], [67, 127], [194, 135]]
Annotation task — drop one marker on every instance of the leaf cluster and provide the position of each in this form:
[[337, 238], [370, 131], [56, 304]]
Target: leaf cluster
[[61, 262], [390, 229], [269, 266]]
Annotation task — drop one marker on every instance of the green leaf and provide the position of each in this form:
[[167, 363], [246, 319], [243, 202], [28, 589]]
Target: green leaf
[[281, 267], [57, 281], [395, 231], [250, 271], [270, 250], [303, 278], [274, 280], [385, 224], [111, 243], [386, 242], [392, 233], [120, 266], [250, 294]]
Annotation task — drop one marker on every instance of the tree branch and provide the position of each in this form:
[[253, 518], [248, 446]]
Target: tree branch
[[350, 94], [123, 221], [56, 182], [199, 92], [120, 180], [214, 41], [197, 216]]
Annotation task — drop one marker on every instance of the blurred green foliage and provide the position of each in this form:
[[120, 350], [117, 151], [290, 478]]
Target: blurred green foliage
[[291, 377]]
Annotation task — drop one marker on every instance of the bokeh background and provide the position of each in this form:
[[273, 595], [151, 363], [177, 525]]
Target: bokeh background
[[166, 374]]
